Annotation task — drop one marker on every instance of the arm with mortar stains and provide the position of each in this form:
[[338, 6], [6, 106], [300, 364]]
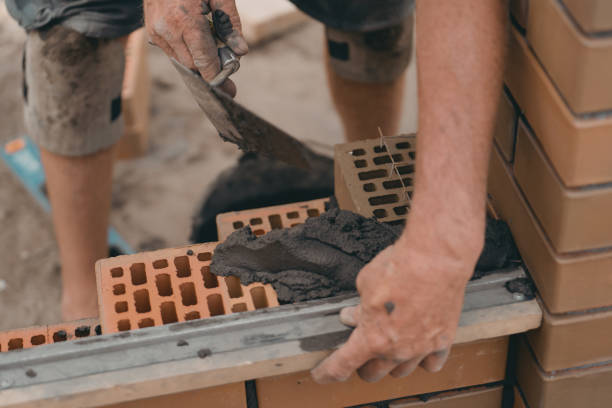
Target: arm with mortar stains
[[181, 29], [412, 293]]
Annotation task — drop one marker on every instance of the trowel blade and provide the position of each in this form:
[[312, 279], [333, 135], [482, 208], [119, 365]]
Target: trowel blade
[[240, 126]]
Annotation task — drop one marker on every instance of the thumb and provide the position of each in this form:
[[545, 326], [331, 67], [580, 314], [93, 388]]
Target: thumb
[[227, 23], [350, 315]]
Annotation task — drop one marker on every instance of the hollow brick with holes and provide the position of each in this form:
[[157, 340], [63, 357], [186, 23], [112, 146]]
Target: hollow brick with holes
[[375, 177], [168, 286], [23, 338], [269, 218], [57, 333]]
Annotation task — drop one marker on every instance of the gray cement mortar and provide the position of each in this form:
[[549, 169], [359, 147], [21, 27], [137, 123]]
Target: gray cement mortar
[[322, 257]]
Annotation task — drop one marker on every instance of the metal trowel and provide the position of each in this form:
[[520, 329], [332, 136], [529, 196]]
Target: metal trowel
[[238, 125]]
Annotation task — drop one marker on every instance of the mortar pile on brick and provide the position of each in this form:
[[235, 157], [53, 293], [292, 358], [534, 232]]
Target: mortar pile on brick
[[375, 177], [264, 220], [168, 286], [41, 335]]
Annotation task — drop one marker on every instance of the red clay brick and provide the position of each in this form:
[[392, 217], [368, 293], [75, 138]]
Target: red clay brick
[[577, 64], [264, 220], [505, 126], [519, 402], [224, 396], [574, 219], [591, 15], [566, 282], [480, 397], [468, 365], [579, 149], [170, 285], [578, 387], [366, 179], [572, 340], [57, 333], [23, 338]]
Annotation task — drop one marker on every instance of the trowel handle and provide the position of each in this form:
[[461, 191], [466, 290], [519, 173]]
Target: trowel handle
[[230, 62]]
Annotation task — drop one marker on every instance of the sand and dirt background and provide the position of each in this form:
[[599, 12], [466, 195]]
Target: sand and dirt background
[[155, 197]]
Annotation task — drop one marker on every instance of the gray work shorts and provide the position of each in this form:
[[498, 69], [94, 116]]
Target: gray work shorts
[[368, 41], [72, 91]]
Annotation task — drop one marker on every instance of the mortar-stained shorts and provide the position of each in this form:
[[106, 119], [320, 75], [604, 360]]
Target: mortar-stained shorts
[[72, 91], [368, 41]]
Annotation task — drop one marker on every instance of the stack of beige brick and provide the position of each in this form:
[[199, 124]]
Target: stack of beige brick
[[551, 180]]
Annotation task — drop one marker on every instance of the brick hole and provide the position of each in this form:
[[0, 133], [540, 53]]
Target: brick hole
[[98, 330], [210, 280], [275, 221], [215, 305], [293, 214], [15, 344], [407, 169], [412, 155], [204, 256], [183, 269], [402, 210], [60, 335], [313, 212], [195, 315], [380, 149], [374, 174], [188, 294], [396, 222], [360, 164], [121, 307], [139, 276], [380, 213], [258, 295], [259, 232], [233, 286], [142, 301], [238, 224], [164, 287], [239, 307], [146, 322], [387, 159], [38, 340], [119, 289], [403, 145], [116, 272], [369, 187], [124, 325], [168, 312], [256, 221], [358, 152], [160, 264], [82, 331], [393, 184], [386, 199]]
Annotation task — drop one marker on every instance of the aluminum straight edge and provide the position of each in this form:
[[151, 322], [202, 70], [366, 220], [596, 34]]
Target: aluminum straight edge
[[193, 355]]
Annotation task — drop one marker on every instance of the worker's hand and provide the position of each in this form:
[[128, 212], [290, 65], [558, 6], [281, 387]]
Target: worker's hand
[[180, 28], [411, 299]]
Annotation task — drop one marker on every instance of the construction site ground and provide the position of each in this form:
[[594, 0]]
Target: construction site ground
[[155, 197]]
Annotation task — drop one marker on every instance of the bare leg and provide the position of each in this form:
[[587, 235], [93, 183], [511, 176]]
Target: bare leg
[[363, 108], [80, 191]]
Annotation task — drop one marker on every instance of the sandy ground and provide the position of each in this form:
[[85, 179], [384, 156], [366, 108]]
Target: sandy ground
[[154, 197]]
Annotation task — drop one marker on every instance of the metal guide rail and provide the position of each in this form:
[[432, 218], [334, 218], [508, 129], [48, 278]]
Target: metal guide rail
[[220, 350]]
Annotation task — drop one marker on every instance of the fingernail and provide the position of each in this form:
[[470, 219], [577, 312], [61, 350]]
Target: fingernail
[[347, 317], [238, 44]]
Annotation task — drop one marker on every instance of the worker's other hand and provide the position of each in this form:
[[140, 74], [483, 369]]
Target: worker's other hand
[[411, 299], [181, 29]]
